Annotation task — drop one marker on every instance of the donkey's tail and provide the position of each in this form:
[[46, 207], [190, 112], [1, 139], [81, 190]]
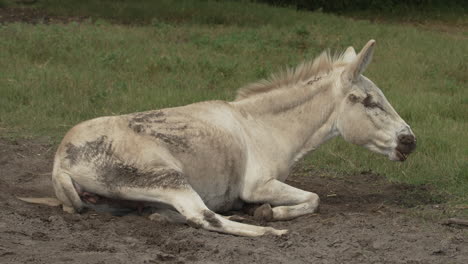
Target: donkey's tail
[[45, 200], [100, 208], [67, 195]]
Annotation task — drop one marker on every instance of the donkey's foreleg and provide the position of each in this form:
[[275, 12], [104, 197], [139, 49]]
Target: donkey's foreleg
[[198, 215], [289, 202]]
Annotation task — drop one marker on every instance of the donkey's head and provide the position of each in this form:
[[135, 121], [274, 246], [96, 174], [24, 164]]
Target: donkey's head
[[365, 116]]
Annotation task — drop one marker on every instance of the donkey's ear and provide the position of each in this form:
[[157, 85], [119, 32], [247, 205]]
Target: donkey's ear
[[359, 63], [349, 55]]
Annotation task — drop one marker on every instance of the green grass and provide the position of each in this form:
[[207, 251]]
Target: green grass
[[54, 76], [174, 11], [452, 13]]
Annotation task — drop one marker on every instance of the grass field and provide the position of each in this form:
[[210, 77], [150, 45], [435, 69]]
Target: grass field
[[54, 76]]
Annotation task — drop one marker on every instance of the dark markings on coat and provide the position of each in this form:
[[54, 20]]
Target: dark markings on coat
[[89, 151], [173, 140], [140, 122], [73, 153], [210, 217], [149, 117], [117, 175], [182, 127], [154, 123], [138, 128], [316, 78]]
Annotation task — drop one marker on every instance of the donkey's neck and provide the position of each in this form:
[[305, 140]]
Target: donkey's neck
[[299, 118]]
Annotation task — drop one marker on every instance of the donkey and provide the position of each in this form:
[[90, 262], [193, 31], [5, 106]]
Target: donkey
[[213, 156]]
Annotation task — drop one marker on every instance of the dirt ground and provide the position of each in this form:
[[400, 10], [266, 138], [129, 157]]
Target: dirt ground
[[363, 219], [34, 16]]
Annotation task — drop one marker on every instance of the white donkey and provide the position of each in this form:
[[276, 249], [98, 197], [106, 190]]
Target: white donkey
[[213, 156]]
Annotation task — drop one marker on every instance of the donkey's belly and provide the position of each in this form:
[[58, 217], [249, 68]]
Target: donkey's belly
[[219, 194], [224, 205], [215, 174]]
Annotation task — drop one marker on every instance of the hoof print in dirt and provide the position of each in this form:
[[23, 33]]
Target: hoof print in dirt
[[159, 218]]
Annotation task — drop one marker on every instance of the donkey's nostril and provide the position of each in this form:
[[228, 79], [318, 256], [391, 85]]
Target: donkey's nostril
[[406, 139], [406, 143]]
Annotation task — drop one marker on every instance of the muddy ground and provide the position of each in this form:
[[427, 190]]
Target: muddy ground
[[363, 219]]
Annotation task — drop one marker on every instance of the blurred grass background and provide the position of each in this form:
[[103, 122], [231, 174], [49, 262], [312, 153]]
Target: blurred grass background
[[129, 56]]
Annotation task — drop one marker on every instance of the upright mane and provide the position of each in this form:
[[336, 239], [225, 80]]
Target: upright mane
[[321, 65]]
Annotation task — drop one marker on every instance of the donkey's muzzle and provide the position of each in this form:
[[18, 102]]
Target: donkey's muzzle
[[406, 145]]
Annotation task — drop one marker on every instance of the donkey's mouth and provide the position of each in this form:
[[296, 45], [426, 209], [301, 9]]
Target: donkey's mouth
[[398, 155], [402, 151], [401, 156]]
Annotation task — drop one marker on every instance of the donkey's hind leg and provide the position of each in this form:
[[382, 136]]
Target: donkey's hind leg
[[189, 204], [171, 216], [66, 192]]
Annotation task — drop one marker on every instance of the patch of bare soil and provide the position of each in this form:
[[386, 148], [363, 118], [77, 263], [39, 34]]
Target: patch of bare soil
[[363, 219], [34, 16]]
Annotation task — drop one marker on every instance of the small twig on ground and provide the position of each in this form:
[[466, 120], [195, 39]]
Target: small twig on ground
[[39, 174], [40, 66], [341, 157], [377, 209], [456, 221]]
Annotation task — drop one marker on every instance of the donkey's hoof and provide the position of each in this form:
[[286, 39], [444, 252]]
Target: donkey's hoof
[[264, 213], [69, 209], [317, 209], [277, 232]]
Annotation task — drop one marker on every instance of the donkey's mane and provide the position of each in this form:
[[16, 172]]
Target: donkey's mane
[[321, 65]]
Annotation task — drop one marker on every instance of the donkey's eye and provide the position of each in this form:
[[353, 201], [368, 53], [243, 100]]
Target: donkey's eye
[[372, 105], [353, 98], [367, 102]]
